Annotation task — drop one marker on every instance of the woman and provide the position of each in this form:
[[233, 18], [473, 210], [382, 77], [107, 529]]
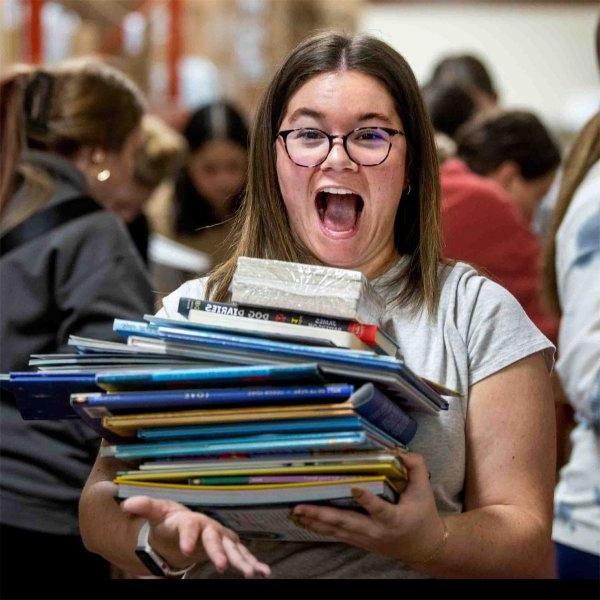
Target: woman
[[197, 210], [572, 263], [74, 273], [343, 172], [158, 157]]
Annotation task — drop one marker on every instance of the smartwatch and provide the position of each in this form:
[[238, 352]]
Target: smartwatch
[[155, 563]]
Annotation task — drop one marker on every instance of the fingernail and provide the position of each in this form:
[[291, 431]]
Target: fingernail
[[357, 493]]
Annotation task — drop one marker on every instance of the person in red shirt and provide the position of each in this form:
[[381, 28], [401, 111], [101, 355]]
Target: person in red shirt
[[482, 226]]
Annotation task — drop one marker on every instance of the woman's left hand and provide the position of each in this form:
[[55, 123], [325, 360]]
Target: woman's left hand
[[408, 531]]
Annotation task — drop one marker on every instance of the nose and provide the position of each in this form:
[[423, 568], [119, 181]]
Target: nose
[[338, 159]]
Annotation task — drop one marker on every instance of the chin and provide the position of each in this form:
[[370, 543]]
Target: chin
[[344, 258]]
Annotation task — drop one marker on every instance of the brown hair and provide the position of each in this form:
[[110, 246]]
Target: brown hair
[[585, 152], [161, 154], [262, 229], [82, 102], [490, 139]]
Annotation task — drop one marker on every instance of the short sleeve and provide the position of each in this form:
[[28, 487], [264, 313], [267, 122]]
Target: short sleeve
[[496, 330], [190, 289]]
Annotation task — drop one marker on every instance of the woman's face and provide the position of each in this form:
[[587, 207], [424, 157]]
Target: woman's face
[[218, 170], [115, 191], [342, 212]]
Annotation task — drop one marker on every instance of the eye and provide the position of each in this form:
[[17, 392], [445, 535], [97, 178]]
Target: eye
[[370, 135], [309, 135]]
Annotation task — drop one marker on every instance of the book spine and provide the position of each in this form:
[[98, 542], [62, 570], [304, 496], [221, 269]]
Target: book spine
[[209, 397], [186, 305], [376, 408]]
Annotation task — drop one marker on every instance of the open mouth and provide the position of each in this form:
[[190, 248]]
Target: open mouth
[[339, 210]]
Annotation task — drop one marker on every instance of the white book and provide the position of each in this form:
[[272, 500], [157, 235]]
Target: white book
[[313, 289], [278, 330]]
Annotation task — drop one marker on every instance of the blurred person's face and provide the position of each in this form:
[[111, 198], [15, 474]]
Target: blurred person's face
[[129, 204], [343, 212], [526, 193], [218, 170], [110, 174]]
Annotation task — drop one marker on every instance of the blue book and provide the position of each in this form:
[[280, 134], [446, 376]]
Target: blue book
[[218, 397], [374, 411], [311, 425], [241, 343], [45, 396], [259, 444], [206, 376], [92, 408]]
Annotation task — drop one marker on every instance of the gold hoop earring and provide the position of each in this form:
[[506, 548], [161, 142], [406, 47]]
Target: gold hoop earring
[[103, 175]]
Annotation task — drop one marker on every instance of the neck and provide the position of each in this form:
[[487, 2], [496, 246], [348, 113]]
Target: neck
[[379, 265]]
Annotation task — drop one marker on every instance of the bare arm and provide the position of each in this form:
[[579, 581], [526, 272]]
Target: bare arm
[[511, 454], [105, 528], [181, 536], [505, 529]]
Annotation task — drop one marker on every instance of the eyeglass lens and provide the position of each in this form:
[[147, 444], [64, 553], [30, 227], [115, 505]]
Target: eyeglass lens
[[366, 146]]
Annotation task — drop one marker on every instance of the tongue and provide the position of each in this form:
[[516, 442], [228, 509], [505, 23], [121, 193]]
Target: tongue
[[340, 212]]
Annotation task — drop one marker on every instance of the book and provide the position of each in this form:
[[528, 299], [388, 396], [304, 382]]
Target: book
[[365, 407], [313, 289], [390, 467], [362, 440], [275, 461], [216, 397], [196, 310], [394, 384], [277, 330], [207, 376], [45, 396], [249, 495], [128, 425]]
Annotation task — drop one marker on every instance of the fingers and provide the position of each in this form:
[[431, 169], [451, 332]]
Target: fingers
[[379, 509], [334, 522], [211, 540], [260, 567], [151, 509], [416, 467], [241, 558]]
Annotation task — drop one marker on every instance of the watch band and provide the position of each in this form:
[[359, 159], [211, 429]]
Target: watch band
[[155, 563]]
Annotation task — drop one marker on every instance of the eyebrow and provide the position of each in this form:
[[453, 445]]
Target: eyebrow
[[315, 114]]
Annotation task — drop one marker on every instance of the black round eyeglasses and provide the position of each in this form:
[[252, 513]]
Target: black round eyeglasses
[[366, 146]]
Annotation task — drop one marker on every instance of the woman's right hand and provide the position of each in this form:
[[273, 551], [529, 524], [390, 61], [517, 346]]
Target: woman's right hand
[[183, 537]]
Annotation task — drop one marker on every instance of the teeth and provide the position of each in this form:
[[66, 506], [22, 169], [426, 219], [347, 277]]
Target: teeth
[[332, 190]]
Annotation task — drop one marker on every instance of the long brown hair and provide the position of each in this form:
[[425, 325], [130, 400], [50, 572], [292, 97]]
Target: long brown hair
[[585, 152], [262, 229], [83, 102]]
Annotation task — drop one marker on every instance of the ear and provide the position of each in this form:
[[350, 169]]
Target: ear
[[506, 174], [89, 156]]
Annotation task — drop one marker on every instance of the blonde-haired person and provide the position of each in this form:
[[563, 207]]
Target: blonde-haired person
[[572, 287], [69, 137], [161, 153], [343, 172]]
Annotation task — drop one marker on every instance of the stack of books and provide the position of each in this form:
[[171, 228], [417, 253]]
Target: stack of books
[[241, 420]]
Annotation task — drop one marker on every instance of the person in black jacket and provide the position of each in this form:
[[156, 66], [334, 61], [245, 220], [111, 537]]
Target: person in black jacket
[[66, 134]]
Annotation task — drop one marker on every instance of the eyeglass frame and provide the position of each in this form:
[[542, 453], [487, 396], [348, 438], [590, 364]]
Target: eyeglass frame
[[391, 132]]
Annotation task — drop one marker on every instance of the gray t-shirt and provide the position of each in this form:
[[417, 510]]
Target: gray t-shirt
[[478, 329]]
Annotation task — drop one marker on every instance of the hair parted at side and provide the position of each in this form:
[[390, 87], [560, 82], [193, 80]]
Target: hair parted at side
[[262, 229], [81, 102]]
